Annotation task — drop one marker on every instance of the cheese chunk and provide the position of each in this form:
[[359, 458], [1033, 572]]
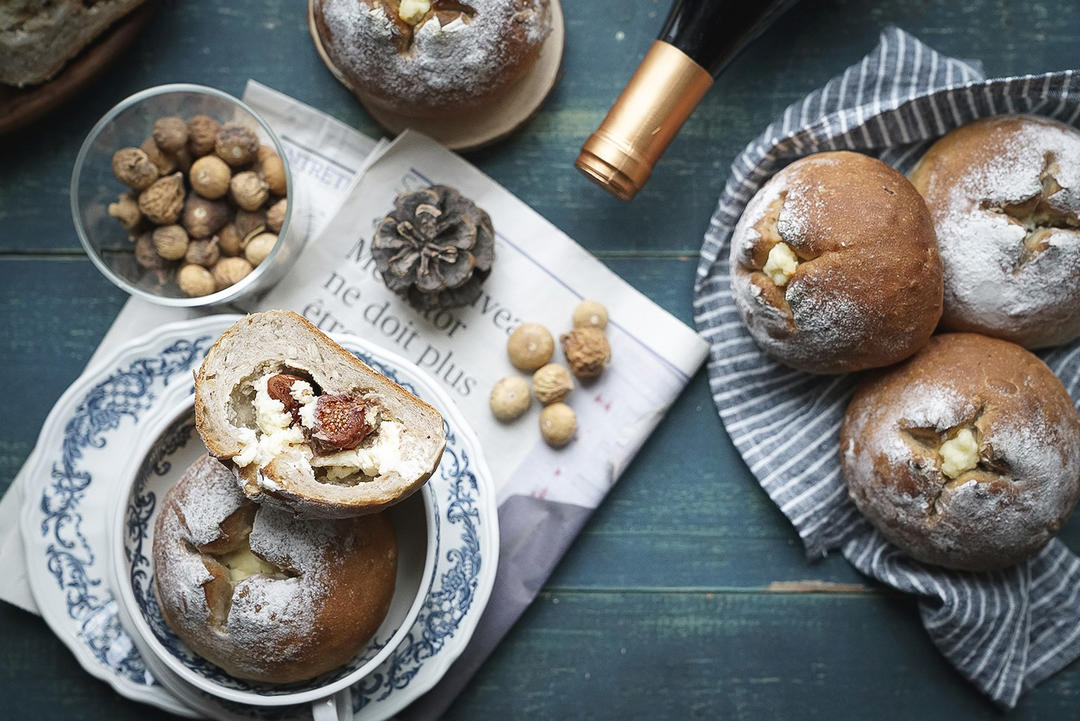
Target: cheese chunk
[[781, 264], [959, 454]]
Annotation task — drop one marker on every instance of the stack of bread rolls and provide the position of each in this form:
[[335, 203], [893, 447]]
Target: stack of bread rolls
[[962, 448]]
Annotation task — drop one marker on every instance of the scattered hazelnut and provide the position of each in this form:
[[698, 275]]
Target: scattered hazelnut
[[587, 351], [248, 190], [558, 424], [133, 168], [275, 215], [126, 210], [551, 383], [165, 163], [162, 202], [249, 223], [510, 398], [210, 177], [259, 247], [228, 271], [170, 134], [230, 240], [195, 280], [146, 255], [590, 314], [530, 346], [272, 170], [170, 241], [202, 135], [203, 252], [236, 144], [202, 218]]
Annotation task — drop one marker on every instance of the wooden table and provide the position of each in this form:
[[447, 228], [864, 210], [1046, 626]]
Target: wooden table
[[688, 594]]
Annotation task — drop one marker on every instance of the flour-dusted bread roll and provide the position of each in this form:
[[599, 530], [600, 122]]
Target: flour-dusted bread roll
[[37, 37], [965, 456], [262, 594], [834, 267], [307, 425], [427, 58], [1004, 193]]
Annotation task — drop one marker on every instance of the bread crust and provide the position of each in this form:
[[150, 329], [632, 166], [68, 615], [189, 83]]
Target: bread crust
[[341, 577], [1004, 195], [867, 291], [1028, 475], [443, 65], [276, 341]]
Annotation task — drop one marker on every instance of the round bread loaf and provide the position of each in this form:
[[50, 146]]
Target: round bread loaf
[[834, 265], [1004, 193], [965, 456], [425, 58], [265, 595]]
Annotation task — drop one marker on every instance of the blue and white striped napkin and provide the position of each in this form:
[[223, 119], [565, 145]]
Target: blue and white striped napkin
[[1007, 630]]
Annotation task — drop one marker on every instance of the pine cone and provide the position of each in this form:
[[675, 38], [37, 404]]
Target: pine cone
[[435, 248]]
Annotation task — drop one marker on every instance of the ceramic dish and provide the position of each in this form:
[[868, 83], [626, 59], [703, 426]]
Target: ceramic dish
[[71, 485], [165, 447]]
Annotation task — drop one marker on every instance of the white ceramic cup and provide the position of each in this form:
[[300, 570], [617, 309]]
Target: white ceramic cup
[[166, 446]]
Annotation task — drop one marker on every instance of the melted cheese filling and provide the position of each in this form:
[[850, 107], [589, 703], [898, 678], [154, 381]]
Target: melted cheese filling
[[781, 264], [959, 454]]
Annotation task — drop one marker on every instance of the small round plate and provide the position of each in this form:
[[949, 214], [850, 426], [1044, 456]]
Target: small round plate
[[73, 475], [471, 130]]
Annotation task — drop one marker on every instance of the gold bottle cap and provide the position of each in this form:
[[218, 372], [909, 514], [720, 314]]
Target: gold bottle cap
[[660, 96]]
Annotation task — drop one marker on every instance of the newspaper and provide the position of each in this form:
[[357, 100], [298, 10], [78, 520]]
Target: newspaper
[[540, 274]]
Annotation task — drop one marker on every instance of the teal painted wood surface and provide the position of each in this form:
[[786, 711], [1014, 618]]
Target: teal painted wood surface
[[688, 594]]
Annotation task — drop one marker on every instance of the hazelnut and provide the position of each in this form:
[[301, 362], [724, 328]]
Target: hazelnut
[[275, 215], [164, 199], [258, 248], [272, 170], [236, 144], [510, 398], [587, 351], [228, 271], [229, 240], [146, 255], [248, 190], [165, 163], [590, 314], [530, 346], [249, 223], [202, 135], [551, 383], [133, 168], [195, 280], [126, 210], [203, 252], [210, 177], [170, 134], [558, 424], [202, 218], [170, 241]]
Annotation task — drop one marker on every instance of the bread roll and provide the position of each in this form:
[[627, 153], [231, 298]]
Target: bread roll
[[834, 267], [265, 595], [1004, 193], [307, 425], [426, 59], [965, 456]]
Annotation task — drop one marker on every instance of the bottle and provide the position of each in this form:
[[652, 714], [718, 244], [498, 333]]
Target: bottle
[[699, 39]]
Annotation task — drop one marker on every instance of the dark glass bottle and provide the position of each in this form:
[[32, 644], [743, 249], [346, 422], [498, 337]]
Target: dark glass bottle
[[699, 38]]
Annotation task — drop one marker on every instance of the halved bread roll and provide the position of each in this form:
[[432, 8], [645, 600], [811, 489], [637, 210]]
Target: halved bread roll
[[309, 427]]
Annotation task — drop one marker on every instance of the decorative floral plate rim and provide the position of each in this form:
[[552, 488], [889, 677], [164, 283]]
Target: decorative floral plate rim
[[103, 404]]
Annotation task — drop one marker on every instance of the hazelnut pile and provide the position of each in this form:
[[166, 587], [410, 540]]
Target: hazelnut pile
[[206, 202], [530, 348]]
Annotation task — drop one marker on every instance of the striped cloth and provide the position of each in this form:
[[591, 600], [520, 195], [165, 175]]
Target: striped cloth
[[1007, 630]]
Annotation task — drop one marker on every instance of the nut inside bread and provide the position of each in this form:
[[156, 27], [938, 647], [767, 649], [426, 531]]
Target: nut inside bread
[[307, 425]]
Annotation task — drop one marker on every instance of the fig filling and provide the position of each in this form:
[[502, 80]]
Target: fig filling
[[339, 421]]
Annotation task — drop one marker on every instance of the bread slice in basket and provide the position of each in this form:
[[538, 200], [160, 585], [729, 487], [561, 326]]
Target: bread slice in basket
[[308, 426]]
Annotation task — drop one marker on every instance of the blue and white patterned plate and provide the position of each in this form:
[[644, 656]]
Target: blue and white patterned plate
[[72, 477]]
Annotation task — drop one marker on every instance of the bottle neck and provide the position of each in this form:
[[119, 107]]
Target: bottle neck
[[713, 32]]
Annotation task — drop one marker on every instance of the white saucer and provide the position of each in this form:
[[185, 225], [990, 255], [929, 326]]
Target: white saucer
[[70, 484]]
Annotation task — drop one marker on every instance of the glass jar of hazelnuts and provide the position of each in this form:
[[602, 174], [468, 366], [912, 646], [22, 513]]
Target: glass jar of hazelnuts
[[182, 195]]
